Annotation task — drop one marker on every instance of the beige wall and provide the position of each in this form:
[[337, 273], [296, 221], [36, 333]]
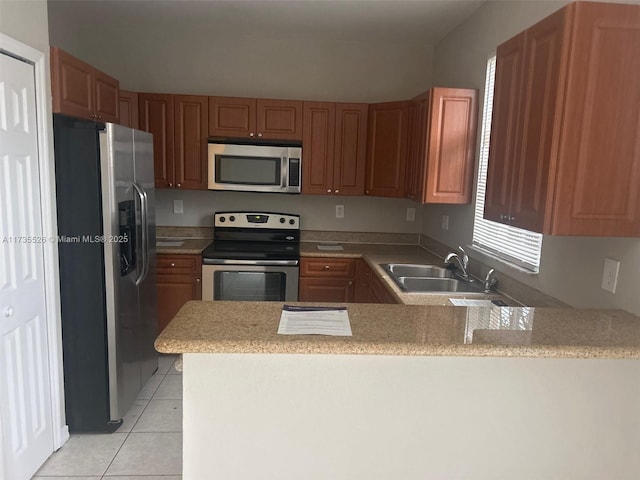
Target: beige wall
[[361, 214], [26, 21], [191, 59], [571, 268]]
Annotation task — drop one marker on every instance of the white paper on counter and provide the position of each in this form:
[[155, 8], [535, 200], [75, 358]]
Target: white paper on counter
[[463, 302], [333, 321]]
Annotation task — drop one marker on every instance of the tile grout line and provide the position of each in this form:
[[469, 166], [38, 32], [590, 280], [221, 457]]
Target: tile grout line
[[104, 475]]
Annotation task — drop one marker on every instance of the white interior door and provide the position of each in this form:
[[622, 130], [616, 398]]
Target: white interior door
[[25, 404]]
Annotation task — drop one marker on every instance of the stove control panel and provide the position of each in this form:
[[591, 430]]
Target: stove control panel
[[257, 220]]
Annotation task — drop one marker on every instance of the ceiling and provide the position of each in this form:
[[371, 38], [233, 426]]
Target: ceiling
[[399, 21]]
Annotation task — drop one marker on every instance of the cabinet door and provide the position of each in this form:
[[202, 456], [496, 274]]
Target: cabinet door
[[71, 85], [190, 141], [502, 148], [350, 148], [387, 149], [598, 180], [537, 122], [453, 114], [325, 290], [232, 117], [362, 291], [279, 119], [156, 117], [107, 97], [417, 137], [318, 144], [128, 110], [173, 292]]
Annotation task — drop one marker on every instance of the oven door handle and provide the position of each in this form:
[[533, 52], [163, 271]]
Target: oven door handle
[[265, 263]]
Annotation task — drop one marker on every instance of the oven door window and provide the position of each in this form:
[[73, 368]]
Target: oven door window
[[237, 170], [250, 286]]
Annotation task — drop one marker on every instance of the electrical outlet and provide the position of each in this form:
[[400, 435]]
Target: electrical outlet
[[610, 275], [411, 214], [445, 222], [178, 207], [339, 211]]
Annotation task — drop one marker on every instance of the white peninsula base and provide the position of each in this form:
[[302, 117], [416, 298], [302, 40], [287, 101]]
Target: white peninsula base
[[357, 417]]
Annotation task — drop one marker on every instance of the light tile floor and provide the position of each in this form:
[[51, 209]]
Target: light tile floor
[[148, 445]]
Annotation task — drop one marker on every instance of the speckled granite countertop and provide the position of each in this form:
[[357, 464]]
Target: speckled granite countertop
[[188, 246], [250, 327]]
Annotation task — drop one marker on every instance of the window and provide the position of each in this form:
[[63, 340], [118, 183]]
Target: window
[[513, 245]]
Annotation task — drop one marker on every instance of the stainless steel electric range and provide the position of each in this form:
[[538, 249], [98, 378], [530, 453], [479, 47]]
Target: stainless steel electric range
[[254, 256]]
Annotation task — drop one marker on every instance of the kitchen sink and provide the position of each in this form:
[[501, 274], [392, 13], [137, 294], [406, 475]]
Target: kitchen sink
[[415, 270], [438, 285], [417, 278]]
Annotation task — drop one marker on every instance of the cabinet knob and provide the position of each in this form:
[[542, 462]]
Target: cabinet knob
[[197, 280], [251, 134], [350, 283], [173, 264], [329, 191], [512, 219], [259, 134], [327, 267], [99, 117], [8, 312], [170, 185], [179, 185], [367, 192], [337, 191]]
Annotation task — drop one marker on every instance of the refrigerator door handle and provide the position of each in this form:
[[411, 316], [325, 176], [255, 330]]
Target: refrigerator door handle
[[142, 195]]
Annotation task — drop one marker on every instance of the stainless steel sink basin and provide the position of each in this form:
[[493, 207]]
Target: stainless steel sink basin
[[416, 278], [415, 270], [438, 285]]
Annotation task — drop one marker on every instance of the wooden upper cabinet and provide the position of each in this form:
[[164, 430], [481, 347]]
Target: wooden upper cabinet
[[387, 149], [575, 168], [237, 117], [129, 109], [156, 117], [442, 143], [232, 117], [190, 141], [318, 143], [279, 119], [508, 83], [452, 127], [334, 143], [79, 90], [350, 159], [179, 126]]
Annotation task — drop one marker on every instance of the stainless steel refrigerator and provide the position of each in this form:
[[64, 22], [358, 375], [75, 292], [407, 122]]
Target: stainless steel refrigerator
[[106, 244]]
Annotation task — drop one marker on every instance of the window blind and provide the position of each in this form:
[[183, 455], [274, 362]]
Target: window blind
[[513, 245]]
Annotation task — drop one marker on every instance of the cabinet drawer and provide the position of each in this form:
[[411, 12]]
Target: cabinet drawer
[[179, 264], [327, 267]]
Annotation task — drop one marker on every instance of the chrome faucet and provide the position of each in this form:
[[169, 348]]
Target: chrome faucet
[[462, 262], [490, 282]]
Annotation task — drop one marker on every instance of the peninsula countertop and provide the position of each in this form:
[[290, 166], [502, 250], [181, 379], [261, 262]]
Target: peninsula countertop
[[251, 327]]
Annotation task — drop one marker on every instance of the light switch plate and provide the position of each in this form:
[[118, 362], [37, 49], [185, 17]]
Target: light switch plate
[[610, 275], [411, 214], [339, 211], [178, 207]]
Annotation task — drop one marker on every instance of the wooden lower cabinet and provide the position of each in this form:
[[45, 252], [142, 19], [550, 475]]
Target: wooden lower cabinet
[[327, 279], [345, 280], [179, 280]]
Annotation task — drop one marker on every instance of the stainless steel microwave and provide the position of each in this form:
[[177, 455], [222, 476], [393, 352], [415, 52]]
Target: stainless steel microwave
[[255, 168]]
